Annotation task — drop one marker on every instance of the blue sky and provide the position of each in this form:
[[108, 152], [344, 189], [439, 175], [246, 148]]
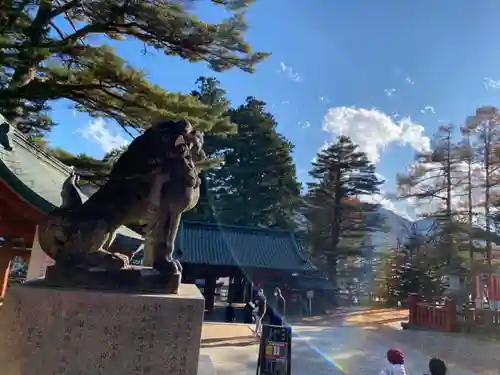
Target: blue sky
[[386, 73]]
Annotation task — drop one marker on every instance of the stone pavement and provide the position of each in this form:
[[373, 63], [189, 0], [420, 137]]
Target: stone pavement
[[355, 350], [226, 335], [359, 316], [478, 356]]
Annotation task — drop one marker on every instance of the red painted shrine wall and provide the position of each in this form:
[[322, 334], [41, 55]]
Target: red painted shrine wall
[[18, 220]]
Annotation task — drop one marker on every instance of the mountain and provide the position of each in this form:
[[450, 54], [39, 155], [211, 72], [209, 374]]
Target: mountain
[[398, 228]]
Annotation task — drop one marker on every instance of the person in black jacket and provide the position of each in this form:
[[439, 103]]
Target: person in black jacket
[[279, 309], [261, 312], [248, 313], [230, 313], [437, 367]]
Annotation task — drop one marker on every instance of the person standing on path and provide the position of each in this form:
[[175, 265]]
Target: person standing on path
[[248, 313], [437, 367], [230, 313], [279, 309], [261, 312], [396, 360]]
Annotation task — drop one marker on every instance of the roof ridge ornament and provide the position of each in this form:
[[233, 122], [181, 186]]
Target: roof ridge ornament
[[70, 194], [4, 134]]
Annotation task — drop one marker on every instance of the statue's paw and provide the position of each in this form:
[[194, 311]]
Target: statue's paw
[[106, 260], [167, 267], [122, 260], [178, 264]]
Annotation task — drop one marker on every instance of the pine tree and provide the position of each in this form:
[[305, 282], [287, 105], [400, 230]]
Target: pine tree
[[47, 53], [384, 281], [210, 93], [112, 156], [339, 222], [91, 170], [95, 171], [256, 185], [418, 271], [413, 266]]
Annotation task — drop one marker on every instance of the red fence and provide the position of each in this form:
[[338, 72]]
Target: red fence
[[442, 317], [479, 321], [487, 290]]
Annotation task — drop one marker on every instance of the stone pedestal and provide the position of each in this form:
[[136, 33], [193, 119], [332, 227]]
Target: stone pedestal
[[47, 331]]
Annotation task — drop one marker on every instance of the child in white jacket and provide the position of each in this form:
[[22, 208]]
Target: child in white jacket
[[396, 360]]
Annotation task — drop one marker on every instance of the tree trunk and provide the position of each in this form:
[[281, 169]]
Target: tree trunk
[[448, 199], [469, 203], [336, 222], [487, 187]]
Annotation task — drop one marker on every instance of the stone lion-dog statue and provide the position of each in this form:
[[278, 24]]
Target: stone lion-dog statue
[[154, 180]]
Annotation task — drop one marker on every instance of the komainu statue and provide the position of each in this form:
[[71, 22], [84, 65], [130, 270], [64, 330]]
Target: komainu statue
[[155, 180]]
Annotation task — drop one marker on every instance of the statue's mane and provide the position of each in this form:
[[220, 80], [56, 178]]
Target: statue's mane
[[147, 150]]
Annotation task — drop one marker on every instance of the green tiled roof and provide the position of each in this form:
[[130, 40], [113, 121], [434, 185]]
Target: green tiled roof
[[38, 177], [213, 244], [32, 173]]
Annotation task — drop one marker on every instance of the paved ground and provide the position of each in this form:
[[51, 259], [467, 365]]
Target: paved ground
[[351, 343], [357, 316]]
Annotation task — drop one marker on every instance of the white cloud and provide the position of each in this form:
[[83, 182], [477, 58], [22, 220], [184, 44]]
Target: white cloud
[[490, 83], [398, 207], [306, 124], [409, 81], [389, 92], [389, 201], [373, 130], [98, 131], [324, 99], [285, 102], [428, 109], [293, 75]]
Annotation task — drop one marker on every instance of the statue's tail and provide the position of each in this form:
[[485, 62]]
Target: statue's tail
[[71, 195]]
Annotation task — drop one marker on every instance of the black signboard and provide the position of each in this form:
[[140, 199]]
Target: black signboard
[[275, 351]]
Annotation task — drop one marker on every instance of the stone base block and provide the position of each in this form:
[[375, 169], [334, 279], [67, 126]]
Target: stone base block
[[205, 366], [48, 331]]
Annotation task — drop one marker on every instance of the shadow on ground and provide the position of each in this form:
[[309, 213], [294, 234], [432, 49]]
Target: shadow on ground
[[478, 357], [229, 341], [377, 323]]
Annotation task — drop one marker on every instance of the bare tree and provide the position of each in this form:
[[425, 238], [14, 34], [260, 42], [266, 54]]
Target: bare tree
[[484, 130], [432, 181]]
